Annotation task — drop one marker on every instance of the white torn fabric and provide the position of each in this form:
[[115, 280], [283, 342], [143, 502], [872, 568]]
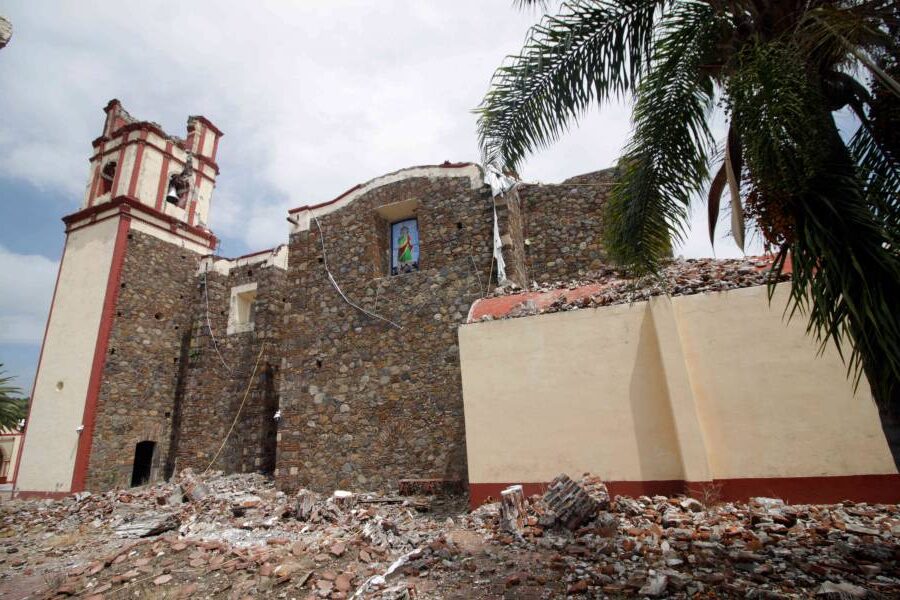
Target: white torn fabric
[[498, 251], [500, 183]]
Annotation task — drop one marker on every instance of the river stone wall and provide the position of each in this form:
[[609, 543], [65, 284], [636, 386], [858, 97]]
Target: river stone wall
[[144, 358]]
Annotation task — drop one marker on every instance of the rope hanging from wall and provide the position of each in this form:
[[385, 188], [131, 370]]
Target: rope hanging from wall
[[240, 408]]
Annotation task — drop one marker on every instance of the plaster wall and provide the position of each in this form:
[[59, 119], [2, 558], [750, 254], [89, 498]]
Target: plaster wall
[[568, 392], [768, 405], [125, 167], [696, 388], [49, 449], [204, 193], [209, 141], [149, 176]]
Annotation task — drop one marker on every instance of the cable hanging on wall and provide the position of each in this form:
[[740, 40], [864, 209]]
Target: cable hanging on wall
[[209, 323], [335, 283]]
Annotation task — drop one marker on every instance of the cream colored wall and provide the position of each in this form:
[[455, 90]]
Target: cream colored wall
[[204, 194], [568, 392], [48, 455], [768, 405], [126, 167], [208, 142], [148, 177], [697, 388], [89, 184]]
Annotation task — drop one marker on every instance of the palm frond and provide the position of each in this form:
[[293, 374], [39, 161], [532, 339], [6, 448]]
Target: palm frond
[[845, 278], [12, 405], [589, 52], [837, 33], [880, 173], [777, 112], [714, 200], [665, 163]]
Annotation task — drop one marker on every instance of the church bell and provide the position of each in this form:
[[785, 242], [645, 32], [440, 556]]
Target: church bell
[[172, 195]]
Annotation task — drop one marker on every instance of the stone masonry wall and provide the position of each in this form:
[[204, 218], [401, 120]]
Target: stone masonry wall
[[215, 385], [365, 403], [136, 401], [563, 226]]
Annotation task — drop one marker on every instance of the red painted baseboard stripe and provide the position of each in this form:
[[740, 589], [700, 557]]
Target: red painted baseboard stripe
[[882, 489]]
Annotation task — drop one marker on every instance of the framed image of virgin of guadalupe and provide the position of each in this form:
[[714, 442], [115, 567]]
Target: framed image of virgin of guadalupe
[[404, 246]]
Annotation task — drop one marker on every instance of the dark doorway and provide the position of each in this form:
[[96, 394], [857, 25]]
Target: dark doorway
[[143, 463]]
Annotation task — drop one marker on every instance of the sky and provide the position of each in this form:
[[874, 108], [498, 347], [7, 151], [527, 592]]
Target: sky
[[314, 97]]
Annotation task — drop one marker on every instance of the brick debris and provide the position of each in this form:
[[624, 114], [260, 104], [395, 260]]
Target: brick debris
[[240, 538]]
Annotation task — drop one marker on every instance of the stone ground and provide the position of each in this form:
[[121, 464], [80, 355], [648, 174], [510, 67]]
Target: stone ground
[[236, 537]]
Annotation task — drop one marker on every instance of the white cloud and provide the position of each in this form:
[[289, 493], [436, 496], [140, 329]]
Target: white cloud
[[312, 99], [27, 282]]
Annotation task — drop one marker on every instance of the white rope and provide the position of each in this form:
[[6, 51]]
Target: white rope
[[240, 408], [209, 324], [335, 283]]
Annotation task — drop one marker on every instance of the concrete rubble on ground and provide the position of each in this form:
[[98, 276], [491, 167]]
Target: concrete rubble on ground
[[240, 538], [678, 277]]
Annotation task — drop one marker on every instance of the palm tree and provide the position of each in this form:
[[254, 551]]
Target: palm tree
[[12, 405], [779, 71]]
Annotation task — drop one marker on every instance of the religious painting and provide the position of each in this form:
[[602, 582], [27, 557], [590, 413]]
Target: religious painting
[[404, 246]]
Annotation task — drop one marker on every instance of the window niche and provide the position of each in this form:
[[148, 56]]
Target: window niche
[[241, 310], [398, 239], [107, 176]]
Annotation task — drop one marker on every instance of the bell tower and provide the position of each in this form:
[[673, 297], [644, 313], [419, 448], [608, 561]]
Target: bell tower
[[105, 387], [138, 160]]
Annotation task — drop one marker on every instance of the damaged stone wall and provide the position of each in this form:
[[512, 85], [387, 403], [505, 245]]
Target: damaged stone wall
[[364, 403], [563, 226], [511, 222], [215, 386], [137, 394]]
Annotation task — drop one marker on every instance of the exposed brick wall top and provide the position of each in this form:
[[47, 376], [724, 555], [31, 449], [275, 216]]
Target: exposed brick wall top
[[563, 226]]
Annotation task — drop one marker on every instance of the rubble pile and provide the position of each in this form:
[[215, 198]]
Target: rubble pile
[[679, 277], [240, 538]]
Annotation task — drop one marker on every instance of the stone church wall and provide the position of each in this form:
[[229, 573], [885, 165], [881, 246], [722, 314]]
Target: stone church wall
[[216, 381], [144, 358], [365, 403]]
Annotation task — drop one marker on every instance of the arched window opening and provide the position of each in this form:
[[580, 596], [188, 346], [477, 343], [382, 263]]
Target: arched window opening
[[143, 463], [107, 176]]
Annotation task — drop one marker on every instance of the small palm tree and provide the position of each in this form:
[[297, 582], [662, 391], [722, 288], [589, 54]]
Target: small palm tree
[[779, 71], [12, 405]]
